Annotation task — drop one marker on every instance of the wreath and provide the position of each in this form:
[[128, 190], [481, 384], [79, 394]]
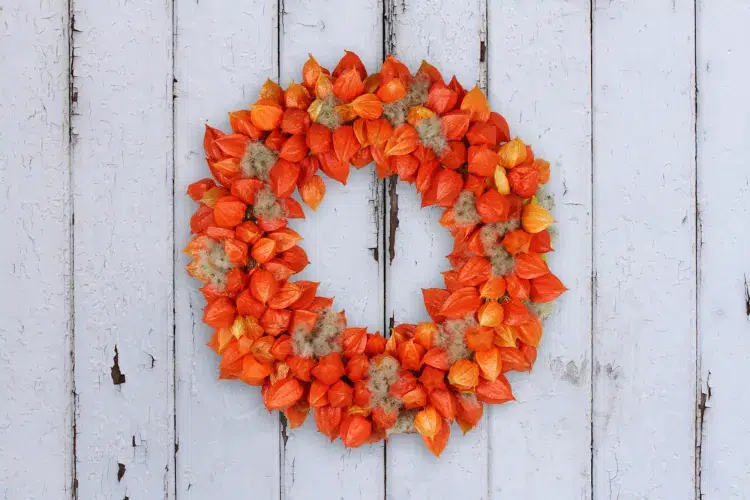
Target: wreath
[[276, 333]]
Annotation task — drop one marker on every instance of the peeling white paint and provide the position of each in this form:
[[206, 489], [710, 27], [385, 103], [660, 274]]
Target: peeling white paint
[[724, 269], [35, 386], [122, 172], [540, 51], [447, 34], [644, 249], [338, 238], [228, 442]]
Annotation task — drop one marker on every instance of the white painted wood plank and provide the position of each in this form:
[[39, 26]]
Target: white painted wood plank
[[724, 208], [447, 34], [539, 79], [123, 249], [644, 255], [36, 417], [228, 442], [342, 241]]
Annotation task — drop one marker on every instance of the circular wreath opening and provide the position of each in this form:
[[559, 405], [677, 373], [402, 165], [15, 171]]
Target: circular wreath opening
[[276, 333]]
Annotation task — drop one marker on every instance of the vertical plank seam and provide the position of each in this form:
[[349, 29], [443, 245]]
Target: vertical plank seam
[[388, 20], [700, 396], [484, 78], [70, 28], [389, 30], [384, 298], [390, 194], [283, 436], [484, 34], [592, 283], [279, 34], [175, 437], [385, 35]]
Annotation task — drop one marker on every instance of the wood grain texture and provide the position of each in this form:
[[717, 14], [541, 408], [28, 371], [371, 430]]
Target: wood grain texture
[[343, 242], [539, 79], [644, 255], [228, 442], [122, 162], [724, 209], [448, 35], [36, 417]]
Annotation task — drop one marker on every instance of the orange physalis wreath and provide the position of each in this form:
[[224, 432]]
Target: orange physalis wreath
[[275, 333]]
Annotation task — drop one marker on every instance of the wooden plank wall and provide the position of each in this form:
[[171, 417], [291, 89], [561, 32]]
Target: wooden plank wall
[[644, 249], [639, 388], [228, 443], [539, 76], [723, 46], [343, 241], [123, 283], [37, 423], [417, 246]]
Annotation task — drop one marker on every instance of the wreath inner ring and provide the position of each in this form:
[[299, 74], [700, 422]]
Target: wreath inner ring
[[276, 333]]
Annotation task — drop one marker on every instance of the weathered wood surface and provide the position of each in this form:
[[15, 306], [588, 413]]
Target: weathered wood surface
[[228, 443], [122, 199], [539, 76], [639, 388], [723, 268], [344, 243], [417, 247], [36, 374], [644, 250]]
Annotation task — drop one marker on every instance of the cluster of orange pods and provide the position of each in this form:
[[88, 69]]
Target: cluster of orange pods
[[276, 333]]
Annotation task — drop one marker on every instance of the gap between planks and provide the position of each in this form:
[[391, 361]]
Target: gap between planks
[[592, 283], [69, 20], [70, 30], [701, 396], [175, 250]]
